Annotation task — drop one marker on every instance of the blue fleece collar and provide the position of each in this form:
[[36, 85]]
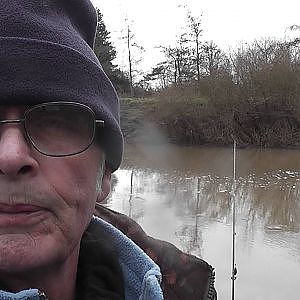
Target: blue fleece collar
[[31, 294]]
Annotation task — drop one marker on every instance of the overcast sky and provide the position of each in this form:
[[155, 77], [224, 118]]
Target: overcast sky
[[227, 23]]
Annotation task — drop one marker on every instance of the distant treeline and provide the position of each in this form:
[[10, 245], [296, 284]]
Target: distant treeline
[[254, 97], [200, 95]]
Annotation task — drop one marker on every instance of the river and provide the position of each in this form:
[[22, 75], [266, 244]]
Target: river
[[181, 194]]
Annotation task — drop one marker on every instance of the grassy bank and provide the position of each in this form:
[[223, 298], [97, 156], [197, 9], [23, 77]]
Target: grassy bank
[[197, 121], [140, 121]]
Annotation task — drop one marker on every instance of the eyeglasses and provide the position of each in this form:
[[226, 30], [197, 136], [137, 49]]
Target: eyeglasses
[[59, 128]]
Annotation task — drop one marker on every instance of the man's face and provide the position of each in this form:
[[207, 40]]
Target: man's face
[[45, 202]]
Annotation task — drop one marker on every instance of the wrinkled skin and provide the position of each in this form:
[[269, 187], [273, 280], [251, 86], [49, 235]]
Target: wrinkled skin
[[45, 205]]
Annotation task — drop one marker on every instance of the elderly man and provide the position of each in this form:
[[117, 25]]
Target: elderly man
[[60, 140]]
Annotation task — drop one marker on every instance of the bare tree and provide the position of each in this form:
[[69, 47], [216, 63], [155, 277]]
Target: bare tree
[[211, 58], [129, 60], [160, 75], [133, 53], [296, 40], [179, 58], [194, 24]]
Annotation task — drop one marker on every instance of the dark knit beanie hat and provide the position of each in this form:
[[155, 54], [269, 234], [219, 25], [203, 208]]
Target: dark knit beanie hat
[[46, 55]]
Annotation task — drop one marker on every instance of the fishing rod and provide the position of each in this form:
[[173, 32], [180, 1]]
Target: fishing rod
[[233, 189]]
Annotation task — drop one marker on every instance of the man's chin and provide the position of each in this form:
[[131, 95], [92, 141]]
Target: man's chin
[[21, 252]]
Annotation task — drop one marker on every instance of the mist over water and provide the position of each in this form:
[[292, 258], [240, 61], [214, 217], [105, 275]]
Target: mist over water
[[181, 194]]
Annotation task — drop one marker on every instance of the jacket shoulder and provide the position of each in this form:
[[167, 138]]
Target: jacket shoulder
[[184, 276]]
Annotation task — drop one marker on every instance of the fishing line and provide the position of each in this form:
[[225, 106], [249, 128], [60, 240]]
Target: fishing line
[[233, 189]]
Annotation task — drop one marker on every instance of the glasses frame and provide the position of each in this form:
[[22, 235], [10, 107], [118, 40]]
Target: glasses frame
[[27, 112]]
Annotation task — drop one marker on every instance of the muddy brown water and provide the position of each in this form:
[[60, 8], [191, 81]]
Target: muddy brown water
[[181, 194]]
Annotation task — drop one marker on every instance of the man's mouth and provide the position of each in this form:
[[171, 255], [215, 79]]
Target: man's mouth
[[21, 216], [19, 208]]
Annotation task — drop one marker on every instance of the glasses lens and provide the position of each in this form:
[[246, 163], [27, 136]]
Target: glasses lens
[[60, 129]]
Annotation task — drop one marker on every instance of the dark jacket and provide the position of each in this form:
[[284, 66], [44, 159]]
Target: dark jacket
[[183, 276]]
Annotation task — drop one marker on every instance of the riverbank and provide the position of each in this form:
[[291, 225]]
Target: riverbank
[[197, 121]]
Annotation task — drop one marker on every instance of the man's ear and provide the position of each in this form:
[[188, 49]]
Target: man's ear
[[105, 185]]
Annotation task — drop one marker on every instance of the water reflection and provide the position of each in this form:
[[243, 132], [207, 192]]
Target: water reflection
[[273, 199], [181, 194]]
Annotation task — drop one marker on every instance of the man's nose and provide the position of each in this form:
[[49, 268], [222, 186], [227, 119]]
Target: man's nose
[[15, 153]]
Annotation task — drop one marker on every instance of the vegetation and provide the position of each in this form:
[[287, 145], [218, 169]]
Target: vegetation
[[200, 95], [106, 54], [253, 95]]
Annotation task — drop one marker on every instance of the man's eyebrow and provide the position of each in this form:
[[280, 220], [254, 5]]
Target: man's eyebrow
[[5, 107]]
